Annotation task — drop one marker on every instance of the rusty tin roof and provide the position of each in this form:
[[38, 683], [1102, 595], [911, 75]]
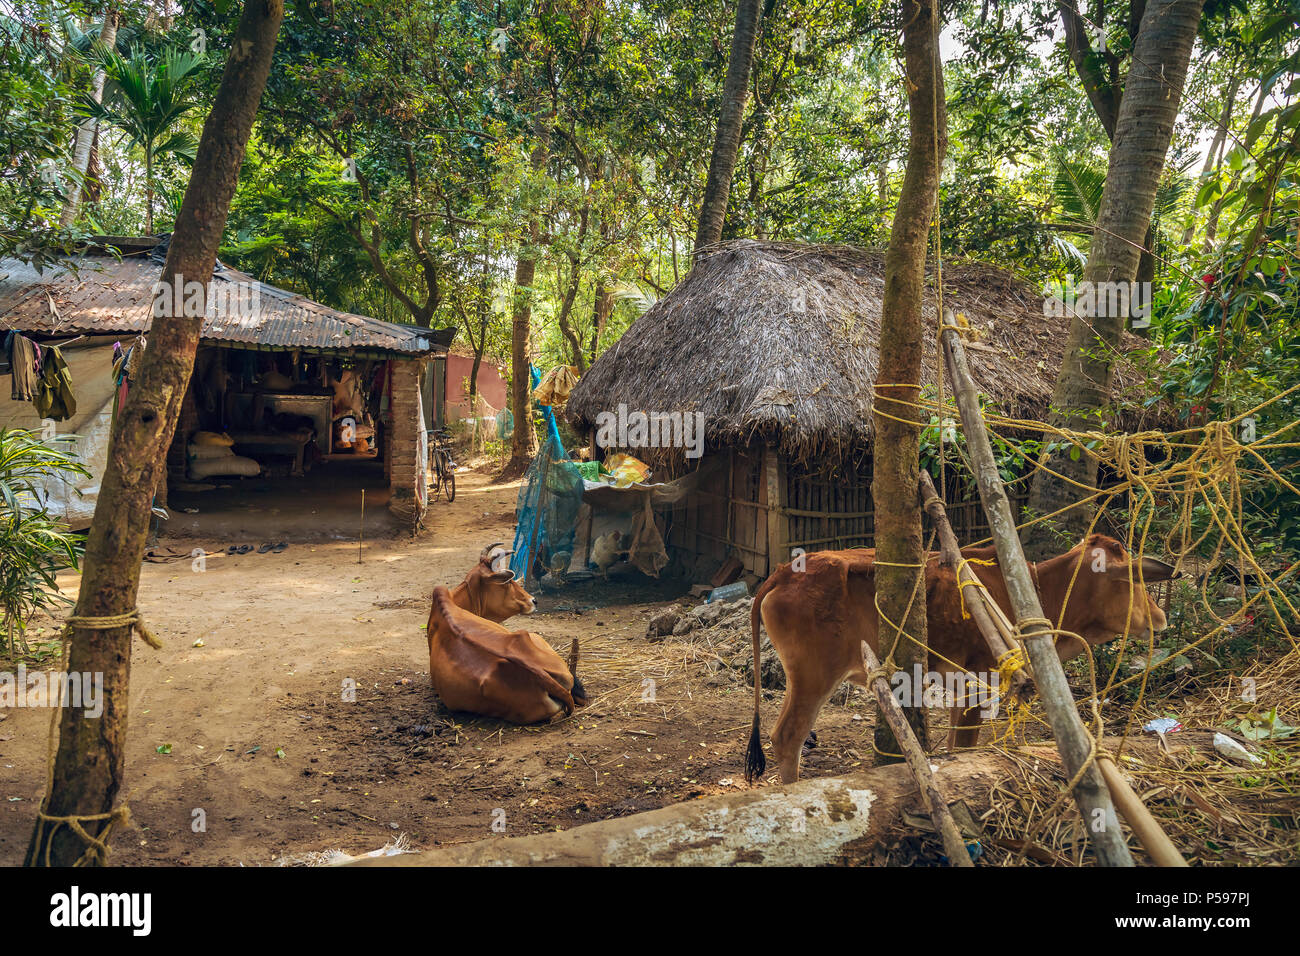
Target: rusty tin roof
[[100, 293]]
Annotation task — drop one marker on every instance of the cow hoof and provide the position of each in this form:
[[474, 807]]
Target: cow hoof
[[811, 742]]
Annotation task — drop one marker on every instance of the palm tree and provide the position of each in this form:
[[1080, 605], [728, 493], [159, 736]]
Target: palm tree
[[144, 97]]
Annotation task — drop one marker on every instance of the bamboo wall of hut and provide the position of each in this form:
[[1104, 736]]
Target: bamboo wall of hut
[[761, 506]]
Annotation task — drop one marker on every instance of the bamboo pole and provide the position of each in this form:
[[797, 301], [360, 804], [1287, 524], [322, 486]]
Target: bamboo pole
[[1072, 740], [1144, 826], [936, 805], [986, 614]]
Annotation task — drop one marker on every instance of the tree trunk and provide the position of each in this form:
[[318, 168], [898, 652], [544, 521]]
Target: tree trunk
[[1096, 68], [148, 190], [523, 444], [1212, 223], [1214, 155], [90, 765], [86, 131], [895, 469], [1153, 90], [735, 93], [604, 308]]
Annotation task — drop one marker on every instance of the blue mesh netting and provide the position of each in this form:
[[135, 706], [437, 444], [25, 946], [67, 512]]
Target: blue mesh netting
[[547, 508]]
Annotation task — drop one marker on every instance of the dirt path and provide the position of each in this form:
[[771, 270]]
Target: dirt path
[[267, 754]]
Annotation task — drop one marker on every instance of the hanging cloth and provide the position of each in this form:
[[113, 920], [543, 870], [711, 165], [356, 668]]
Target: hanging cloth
[[25, 362], [556, 385], [54, 396]]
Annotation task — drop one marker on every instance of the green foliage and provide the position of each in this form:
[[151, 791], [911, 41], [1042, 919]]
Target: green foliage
[[34, 547], [146, 95], [36, 114]]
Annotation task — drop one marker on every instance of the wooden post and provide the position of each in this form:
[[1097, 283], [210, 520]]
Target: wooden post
[[778, 532], [931, 797], [1144, 826], [542, 472], [986, 614], [1072, 740]]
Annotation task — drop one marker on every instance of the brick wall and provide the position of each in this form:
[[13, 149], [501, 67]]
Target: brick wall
[[402, 436]]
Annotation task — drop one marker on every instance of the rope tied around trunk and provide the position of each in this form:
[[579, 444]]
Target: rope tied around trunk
[[108, 622], [96, 845]]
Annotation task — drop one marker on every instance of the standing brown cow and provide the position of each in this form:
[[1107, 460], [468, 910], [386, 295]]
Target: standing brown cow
[[818, 617]]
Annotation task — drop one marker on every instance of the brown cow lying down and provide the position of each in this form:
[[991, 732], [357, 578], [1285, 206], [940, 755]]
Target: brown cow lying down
[[477, 665], [818, 617], [490, 589]]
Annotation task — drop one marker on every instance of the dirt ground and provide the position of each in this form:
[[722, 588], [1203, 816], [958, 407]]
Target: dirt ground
[[239, 723]]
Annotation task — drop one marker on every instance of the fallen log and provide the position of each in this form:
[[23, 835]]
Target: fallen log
[[815, 822]]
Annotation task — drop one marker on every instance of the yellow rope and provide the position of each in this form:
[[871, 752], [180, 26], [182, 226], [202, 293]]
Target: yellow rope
[[971, 582]]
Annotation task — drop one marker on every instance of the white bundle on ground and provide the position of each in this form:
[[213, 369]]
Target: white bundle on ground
[[338, 858]]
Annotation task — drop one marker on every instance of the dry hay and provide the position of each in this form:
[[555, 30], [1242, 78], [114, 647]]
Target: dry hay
[[779, 341], [1216, 812]]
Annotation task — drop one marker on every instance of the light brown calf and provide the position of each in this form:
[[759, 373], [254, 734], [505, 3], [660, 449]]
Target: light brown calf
[[818, 617]]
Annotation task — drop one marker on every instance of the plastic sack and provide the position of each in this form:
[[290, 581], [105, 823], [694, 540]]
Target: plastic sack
[[626, 470], [204, 452], [228, 465]]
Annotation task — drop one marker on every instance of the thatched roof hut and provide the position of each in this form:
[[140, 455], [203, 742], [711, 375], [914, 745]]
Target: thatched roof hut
[[779, 341], [775, 344]]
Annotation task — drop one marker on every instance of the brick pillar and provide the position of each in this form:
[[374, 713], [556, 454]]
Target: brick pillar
[[403, 436]]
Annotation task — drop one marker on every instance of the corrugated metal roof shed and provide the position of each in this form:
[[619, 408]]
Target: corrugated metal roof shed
[[104, 294]]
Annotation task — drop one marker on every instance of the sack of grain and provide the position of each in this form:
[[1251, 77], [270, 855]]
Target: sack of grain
[[212, 438], [204, 452], [228, 465]]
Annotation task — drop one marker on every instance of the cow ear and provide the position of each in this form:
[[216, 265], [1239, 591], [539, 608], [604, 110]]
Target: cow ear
[[1155, 570], [503, 575]]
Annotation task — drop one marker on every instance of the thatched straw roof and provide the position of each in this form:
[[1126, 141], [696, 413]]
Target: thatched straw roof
[[780, 341]]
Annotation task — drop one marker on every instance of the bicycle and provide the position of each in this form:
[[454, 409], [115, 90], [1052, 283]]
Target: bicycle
[[442, 465]]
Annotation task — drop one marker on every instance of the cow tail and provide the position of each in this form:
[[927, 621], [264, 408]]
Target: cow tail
[[579, 692], [755, 762]]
